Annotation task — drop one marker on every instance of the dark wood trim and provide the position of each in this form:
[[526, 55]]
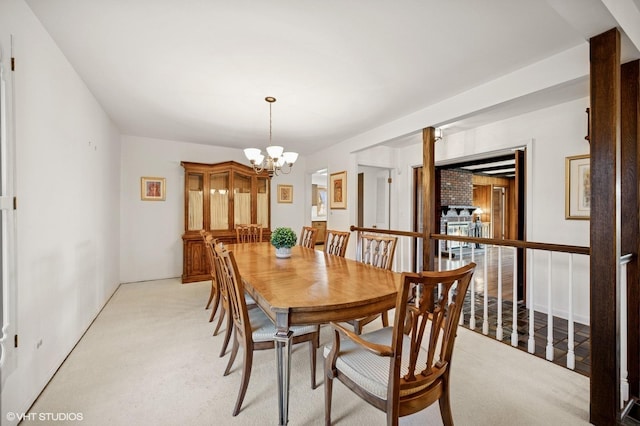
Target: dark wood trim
[[605, 235], [360, 199], [437, 206], [387, 231], [490, 241], [428, 196], [515, 243], [629, 242], [520, 218]]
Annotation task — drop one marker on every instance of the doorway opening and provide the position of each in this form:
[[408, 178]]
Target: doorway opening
[[484, 197], [319, 204], [374, 197]]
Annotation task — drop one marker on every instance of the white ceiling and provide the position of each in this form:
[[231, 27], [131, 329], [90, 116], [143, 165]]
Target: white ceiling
[[199, 70]]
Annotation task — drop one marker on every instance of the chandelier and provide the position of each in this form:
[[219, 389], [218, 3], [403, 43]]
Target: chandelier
[[276, 161]]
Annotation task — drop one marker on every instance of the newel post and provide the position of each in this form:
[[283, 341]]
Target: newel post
[[605, 228], [428, 197]]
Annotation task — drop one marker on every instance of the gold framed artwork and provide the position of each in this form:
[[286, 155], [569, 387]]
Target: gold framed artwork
[[285, 193], [338, 190], [153, 188], [577, 203]]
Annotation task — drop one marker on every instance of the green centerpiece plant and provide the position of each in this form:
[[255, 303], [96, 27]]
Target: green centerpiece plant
[[283, 239]]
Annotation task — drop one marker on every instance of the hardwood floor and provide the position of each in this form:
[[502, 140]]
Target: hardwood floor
[[492, 255]]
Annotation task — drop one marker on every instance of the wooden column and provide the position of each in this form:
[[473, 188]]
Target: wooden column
[[605, 227], [428, 197], [520, 217], [630, 240]]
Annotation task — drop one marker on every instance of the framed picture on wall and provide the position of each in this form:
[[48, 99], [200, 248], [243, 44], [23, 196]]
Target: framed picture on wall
[[578, 187], [285, 193], [338, 190], [153, 188]]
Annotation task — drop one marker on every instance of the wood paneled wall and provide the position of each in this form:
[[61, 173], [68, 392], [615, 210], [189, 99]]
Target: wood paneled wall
[[483, 190]]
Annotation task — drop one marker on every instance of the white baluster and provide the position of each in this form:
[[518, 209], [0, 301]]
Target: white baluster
[[439, 260], [571, 356], [514, 320], [472, 313], [485, 321], [531, 343], [624, 382], [549, 313], [499, 322]]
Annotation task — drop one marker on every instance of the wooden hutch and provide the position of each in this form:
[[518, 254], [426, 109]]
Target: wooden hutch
[[216, 198]]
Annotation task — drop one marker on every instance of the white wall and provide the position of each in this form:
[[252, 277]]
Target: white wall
[[67, 177], [294, 215], [151, 245]]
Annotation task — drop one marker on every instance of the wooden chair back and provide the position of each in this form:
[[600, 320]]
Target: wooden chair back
[[208, 238], [376, 250], [250, 233], [308, 237], [335, 242], [223, 295], [235, 292], [422, 341], [214, 294]]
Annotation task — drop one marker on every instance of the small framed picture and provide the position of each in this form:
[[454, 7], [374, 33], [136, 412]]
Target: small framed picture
[[338, 190], [285, 193], [153, 188], [578, 187]]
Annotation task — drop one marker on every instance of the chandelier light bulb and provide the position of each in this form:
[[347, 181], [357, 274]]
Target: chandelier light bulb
[[290, 157]]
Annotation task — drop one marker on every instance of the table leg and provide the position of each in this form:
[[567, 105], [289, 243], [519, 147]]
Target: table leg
[[283, 359]]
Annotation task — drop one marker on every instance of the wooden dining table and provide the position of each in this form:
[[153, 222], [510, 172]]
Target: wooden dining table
[[310, 287]]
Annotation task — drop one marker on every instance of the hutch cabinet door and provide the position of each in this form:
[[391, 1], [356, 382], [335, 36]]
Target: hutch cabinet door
[[219, 202], [242, 195], [194, 201], [196, 265]]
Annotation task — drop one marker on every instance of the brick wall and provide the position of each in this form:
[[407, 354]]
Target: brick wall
[[456, 187]]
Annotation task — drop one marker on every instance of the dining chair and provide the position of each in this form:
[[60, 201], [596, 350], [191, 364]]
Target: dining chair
[[251, 233], [335, 242], [253, 330], [224, 300], [377, 251], [308, 237], [405, 368], [214, 294]]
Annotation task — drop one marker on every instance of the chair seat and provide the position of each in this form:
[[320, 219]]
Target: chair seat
[[370, 371], [263, 328], [248, 299]]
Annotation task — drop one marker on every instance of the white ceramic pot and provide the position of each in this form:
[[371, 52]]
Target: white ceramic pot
[[283, 252]]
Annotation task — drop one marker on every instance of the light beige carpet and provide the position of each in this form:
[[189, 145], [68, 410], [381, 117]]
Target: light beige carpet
[[150, 359]]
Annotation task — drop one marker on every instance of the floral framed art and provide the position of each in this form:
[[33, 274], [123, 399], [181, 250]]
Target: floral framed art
[[153, 188], [285, 193], [338, 190], [578, 187]]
